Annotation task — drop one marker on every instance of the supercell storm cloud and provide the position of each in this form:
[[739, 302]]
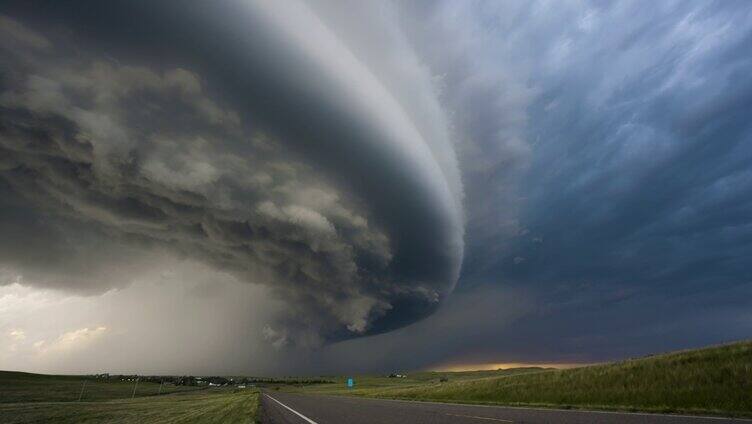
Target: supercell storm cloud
[[322, 186], [273, 153]]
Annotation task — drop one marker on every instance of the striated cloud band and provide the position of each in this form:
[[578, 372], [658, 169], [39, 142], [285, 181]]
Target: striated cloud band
[[249, 137]]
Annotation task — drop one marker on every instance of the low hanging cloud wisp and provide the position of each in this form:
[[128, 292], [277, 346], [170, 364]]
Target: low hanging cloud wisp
[[285, 162]]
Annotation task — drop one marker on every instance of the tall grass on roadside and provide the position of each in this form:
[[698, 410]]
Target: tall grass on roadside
[[716, 380]]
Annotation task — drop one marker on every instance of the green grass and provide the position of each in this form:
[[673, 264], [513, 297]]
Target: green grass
[[366, 385], [26, 387], [710, 381], [36, 398], [205, 406], [714, 381]]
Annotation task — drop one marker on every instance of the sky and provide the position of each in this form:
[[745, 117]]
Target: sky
[[280, 188]]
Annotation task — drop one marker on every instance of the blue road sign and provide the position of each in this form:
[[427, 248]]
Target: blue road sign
[[350, 382]]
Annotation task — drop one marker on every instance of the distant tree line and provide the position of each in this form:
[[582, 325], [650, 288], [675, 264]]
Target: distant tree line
[[189, 380], [294, 381]]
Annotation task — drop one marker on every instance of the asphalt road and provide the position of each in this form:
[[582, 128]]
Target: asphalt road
[[288, 408]]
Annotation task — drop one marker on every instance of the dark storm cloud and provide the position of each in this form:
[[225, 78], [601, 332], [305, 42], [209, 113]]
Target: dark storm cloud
[[606, 154], [604, 149], [639, 168], [307, 176]]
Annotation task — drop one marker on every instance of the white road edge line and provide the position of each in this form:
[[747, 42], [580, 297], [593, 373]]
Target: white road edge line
[[308, 420]]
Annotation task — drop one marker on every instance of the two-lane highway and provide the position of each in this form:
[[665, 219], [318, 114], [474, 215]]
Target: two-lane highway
[[288, 408]]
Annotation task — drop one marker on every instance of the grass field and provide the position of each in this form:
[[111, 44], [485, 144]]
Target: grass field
[[36, 398], [367, 385], [715, 380], [710, 381], [27, 387], [205, 406]]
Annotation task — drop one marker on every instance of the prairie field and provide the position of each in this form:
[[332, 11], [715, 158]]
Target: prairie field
[[715, 380], [35, 398]]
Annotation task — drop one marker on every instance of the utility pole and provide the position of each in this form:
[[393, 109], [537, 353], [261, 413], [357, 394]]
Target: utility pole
[[81, 395], [134, 388], [160, 386]]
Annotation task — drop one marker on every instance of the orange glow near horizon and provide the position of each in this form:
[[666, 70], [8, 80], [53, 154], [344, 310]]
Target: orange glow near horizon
[[504, 366]]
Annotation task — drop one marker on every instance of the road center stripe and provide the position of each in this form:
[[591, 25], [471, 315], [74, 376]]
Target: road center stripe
[[480, 418], [308, 420]]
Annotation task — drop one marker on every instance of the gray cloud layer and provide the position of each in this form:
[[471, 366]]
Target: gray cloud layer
[[326, 191], [605, 157], [604, 150]]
